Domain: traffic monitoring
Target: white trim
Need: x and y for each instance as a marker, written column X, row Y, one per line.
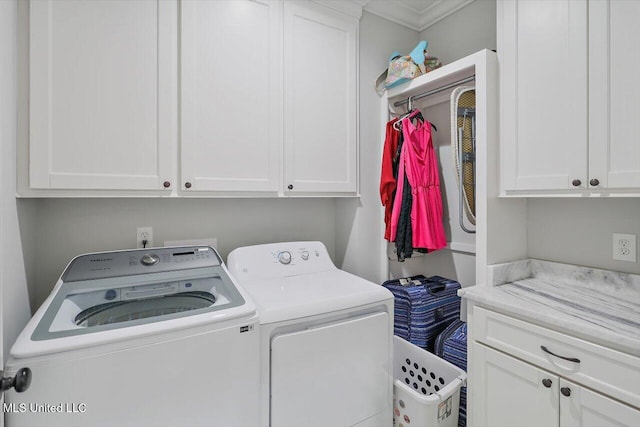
column 352, row 8
column 409, row 17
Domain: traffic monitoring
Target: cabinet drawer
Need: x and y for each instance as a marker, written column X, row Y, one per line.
column 609, row 371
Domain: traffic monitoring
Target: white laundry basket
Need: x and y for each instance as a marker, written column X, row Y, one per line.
column 426, row 388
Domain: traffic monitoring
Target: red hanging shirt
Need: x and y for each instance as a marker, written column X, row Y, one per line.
column 387, row 180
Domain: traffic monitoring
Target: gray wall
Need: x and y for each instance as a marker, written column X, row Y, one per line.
column 14, row 302
column 359, row 222
column 578, row 231
column 68, row 227
column 468, row 30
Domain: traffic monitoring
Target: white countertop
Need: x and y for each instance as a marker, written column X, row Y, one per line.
column 597, row 305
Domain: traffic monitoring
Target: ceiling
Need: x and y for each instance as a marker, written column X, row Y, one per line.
column 415, row 14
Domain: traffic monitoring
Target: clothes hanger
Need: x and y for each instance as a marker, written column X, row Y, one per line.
column 411, row 114
column 398, row 124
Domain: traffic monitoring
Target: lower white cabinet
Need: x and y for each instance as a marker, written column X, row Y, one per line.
column 522, row 374
column 512, row 393
column 581, row 407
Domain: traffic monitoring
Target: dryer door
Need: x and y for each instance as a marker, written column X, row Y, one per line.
column 337, row 374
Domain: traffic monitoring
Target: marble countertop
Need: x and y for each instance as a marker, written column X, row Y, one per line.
column 597, row 305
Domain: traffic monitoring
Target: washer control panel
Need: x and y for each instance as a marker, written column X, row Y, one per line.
column 151, row 260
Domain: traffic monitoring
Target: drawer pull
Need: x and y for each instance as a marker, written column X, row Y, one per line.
column 566, row 391
column 570, row 359
column 547, row 382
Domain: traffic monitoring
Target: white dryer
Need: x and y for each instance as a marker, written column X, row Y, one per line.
column 326, row 338
column 154, row 337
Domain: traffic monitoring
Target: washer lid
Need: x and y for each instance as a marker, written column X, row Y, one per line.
column 288, row 298
column 92, row 306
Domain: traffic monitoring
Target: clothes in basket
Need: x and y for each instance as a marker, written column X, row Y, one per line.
column 451, row 345
column 424, row 307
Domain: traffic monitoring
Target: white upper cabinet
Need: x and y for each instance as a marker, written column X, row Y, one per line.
column 566, row 71
column 100, row 94
column 614, row 128
column 231, row 97
column 543, row 110
column 190, row 98
column 320, row 104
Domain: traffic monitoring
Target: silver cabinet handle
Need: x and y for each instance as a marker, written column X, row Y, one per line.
column 570, row 359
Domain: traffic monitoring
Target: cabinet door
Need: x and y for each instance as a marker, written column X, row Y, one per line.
column 101, row 94
column 507, row 392
column 543, row 66
column 614, row 61
column 585, row 408
column 231, row 95
column 320, row 107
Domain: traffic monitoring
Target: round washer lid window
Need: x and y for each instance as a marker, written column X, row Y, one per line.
column 124, row 311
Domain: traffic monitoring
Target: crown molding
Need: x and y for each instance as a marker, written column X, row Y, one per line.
column 352, row 7
column 401, row 12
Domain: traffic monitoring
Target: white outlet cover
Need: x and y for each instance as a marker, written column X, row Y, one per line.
column 624, row 247
column 141, row 232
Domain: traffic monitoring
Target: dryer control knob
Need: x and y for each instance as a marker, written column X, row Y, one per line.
column 304, row 255
column 149, row 259
column 284, row 257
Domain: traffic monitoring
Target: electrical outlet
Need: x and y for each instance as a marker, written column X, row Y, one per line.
column 624, row 247
column 144, row 233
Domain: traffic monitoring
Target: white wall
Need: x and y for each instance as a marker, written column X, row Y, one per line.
column 359, row 222
column 468, row 30
column 69, row 227
column 14, row 310
column 578, row 231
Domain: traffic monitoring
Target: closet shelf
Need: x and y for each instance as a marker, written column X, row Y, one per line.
column 436, row 80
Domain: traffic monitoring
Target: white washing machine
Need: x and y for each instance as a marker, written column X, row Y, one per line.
column 154, row 337
column 326, row 338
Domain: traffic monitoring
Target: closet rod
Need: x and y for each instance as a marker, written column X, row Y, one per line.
column 434, row 91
